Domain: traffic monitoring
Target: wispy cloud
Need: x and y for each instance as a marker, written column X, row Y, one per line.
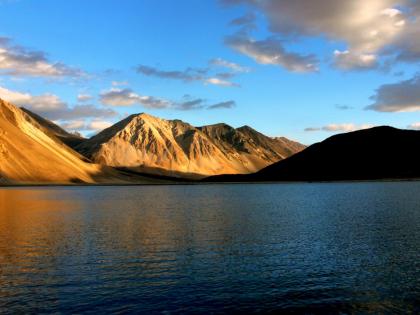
column 20, row 61
column 311, row 129
column 84, row 97
column 219, row 62
column 271, row 52
column 52, row 107
column 190, row 104
column 227, row 104
column 187, row 75
column 84, row 125
column 343, row 107
column 127, row 97
column 414, row 126
column 221, row 82
column 403, row 96
column 119, row 83
column 339, row 127
column 194, row 74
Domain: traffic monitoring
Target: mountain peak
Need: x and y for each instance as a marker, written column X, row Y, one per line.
column 218, row 125
column 245, row 127
column 145, row 142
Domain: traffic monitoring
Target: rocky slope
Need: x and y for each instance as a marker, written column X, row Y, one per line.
column 173, row 147
column 376, row 153
column 30, row 153
column 72, row 140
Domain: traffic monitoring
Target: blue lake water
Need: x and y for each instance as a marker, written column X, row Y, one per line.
column 291, row 248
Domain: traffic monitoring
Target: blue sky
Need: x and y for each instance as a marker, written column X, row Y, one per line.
column 269, row 70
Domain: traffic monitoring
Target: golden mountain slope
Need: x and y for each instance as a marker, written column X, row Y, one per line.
column 30, row 153
column 151, row 144
column 68, row 138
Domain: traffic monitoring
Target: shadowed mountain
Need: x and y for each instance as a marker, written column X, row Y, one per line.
column 172, row 147
column 30, row 153
column 376, row 153
column 72, row 140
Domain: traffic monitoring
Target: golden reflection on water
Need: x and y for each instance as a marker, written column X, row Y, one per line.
column 55, row 222
column 31, row 228
column 25, row 214
column 56, row 243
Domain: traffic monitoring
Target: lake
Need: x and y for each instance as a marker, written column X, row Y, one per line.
column 293, row 248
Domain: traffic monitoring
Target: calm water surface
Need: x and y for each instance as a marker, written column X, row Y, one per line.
column 294, row 248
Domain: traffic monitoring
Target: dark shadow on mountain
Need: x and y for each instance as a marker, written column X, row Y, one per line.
column 151, row 174
column 371, row 154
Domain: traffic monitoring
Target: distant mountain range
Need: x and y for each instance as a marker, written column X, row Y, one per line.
column 147, row 149
column 172, row 147
column 376, row 153
column 35, row 150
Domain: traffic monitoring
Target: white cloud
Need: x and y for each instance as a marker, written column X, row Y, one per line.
column 71, row 125
column 98, row 125
column 19, row 61
column 414, row 126
column 45, row 102
column 370, row 29
column 127, row 97
column 228, row 64
column 84, row 97
column 217, row 81
column 119, row 83
column 346, row 60
column 188, row 75
column 272, row 52
column 391, row 12
column 52, row 107
column 84, row 125
column 346, row 127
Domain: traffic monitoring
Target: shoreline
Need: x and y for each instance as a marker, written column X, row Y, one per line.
column 193, row 183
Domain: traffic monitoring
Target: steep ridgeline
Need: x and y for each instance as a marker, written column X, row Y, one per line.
column 68, row 138
column 29, row 154
column 173, row 147
column 376, row 153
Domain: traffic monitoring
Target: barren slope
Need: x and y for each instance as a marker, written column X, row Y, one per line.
column 151, row 144
column 29, row 154
column 50, row 128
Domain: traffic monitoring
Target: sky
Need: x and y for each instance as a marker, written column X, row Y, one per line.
column 301, row 69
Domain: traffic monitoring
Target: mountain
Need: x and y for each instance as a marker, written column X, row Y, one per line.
column 30, row 153
column 376, row 153
column 72, row 140
column 172, row 147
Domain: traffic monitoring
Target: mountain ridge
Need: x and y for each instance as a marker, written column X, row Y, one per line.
column 32, row 153
column 29, row 154
column 174, row 147
column 371, row 154
column 68, row 138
